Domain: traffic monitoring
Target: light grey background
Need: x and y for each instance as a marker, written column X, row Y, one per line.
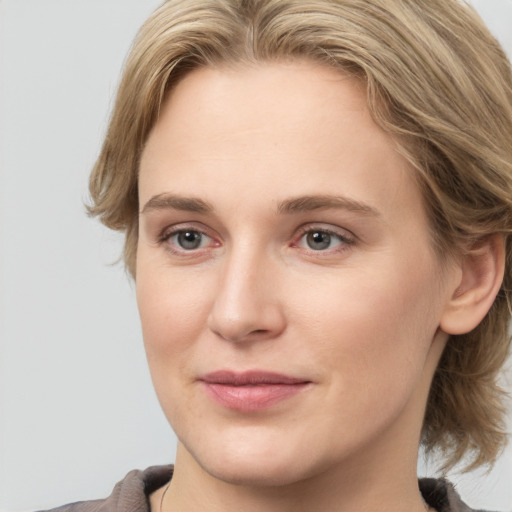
column 77, row 410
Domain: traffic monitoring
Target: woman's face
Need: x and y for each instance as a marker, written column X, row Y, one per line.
column 289, row 295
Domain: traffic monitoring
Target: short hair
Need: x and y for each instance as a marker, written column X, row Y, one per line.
column 436, row 79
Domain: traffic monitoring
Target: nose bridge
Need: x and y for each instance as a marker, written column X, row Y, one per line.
column 246, row 305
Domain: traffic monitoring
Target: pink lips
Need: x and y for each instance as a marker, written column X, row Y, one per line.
column 251, row 391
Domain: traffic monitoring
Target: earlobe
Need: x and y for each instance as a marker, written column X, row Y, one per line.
column 481, row 275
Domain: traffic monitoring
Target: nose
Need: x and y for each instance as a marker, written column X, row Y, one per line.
column 246, row 305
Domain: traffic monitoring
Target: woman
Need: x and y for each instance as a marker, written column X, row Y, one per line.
column 317, row 201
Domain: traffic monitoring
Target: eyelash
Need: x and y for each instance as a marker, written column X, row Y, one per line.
column 344, row 240
column 168, row 234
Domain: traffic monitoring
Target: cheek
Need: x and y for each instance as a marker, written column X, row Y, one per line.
column 173, row 308
column 173, row 316
column 373, row 330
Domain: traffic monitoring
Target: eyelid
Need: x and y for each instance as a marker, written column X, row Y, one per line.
column 169, row 231
column 346, row 237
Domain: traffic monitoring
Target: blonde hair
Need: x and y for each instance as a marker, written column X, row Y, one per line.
column 435, row 78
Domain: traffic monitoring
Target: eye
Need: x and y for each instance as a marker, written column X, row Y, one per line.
column 187, row 239
column 323, row 240
column 318, row 240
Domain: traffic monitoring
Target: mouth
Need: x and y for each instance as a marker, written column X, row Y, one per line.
column 251, row 391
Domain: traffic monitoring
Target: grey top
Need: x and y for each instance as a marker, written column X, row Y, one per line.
column 132, row 494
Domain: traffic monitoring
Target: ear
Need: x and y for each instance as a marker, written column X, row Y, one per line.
column 480, row 276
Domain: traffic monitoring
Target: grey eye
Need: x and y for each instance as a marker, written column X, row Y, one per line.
column 189, row 240
column 318, row 240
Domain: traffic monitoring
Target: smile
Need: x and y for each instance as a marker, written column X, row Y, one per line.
column 251, row 391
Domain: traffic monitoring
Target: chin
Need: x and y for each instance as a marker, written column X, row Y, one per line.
column 264, row 461
column 251, row 473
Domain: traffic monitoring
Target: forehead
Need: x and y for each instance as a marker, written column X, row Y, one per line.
column 248, row 97
column 296, row 127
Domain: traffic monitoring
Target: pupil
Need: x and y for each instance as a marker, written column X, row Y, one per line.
column 318, row 240
column 189, row 239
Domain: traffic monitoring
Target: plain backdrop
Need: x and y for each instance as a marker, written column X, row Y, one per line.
column 77, row 409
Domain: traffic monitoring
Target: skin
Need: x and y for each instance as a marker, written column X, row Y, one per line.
column 359, row 319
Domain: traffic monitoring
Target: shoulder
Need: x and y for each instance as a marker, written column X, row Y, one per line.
column 440, row 495
column 130, row 494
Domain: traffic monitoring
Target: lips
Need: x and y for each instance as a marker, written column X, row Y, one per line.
column 251, row 391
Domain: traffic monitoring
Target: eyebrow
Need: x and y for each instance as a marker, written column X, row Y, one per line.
column 299, row 204
column 321, row 202
column 174, row 202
